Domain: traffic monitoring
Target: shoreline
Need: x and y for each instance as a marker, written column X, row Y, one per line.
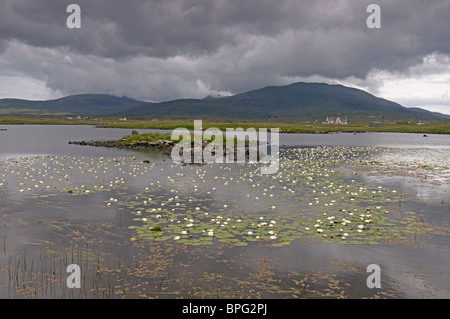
column 163, row 145
column 284, row 127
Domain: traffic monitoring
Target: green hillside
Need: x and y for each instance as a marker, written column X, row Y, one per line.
column 82, row 104
column 298, row 101
column 295, row 102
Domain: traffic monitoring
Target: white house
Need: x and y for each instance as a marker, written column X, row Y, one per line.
column 335, row 120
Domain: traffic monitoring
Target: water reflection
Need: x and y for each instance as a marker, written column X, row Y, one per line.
column 71, row 222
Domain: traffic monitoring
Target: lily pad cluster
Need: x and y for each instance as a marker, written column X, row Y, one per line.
column 308, row 198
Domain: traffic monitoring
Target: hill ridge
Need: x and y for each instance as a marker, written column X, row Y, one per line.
column 295, row 101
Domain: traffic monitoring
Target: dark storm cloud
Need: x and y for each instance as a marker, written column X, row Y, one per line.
column 192, row 46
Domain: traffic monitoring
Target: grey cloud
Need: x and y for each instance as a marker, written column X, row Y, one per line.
column 165, row 49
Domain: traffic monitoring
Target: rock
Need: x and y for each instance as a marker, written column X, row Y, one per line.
column 134, row 132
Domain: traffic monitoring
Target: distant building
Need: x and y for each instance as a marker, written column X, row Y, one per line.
column 122, row 119
column 335, row 120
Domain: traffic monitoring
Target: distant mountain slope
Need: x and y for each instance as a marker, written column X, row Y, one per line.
column 298, row 101
column 437, row 114
column 292, row 102
column 82, row 104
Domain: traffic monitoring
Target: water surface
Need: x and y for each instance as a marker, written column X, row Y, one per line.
column 97, row 207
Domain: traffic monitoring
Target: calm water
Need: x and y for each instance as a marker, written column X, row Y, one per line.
column 65, row 204
column 21, row 140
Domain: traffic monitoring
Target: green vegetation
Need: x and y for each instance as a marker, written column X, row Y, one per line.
column 148, row 137
column 153, row 137
column 284, row 126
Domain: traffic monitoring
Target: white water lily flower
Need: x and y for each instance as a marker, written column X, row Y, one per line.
column 319, row 230
column 176, row 238
column 273, row 237
column 184, row 232
column 306, row 228
column 360, row 226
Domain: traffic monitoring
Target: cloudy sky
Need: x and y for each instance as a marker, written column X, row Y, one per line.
column 166, row 49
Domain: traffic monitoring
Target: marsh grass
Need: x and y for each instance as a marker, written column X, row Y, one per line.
column 153, row 137
column 285, row 126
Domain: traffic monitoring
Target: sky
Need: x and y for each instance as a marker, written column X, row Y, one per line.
column 160, row 50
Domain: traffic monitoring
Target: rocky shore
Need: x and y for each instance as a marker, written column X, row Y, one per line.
column 164, row 146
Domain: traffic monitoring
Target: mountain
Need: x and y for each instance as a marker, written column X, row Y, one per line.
column 297, row 101
column 437, row 114
column 82, row 104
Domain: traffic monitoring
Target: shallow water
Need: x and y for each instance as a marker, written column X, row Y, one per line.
column 64, row 204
